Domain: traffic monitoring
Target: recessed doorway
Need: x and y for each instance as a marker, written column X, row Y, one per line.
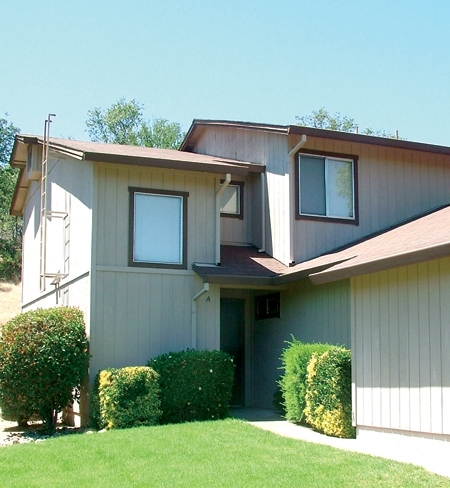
column 232, row 341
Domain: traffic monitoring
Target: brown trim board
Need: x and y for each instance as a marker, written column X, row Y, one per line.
column 298, row 215
column 131, row 262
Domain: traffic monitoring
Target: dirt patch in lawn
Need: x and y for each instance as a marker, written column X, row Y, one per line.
column 10, row 298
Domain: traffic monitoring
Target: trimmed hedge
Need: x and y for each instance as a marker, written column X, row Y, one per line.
column 328, row 396
column 43, row 361
column 126, row 397
column 295, row 359
column 195, row 385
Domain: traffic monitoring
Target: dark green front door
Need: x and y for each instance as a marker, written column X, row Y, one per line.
column 232, row 341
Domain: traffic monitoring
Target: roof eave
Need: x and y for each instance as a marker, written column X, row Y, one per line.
column 219, row 167
column 290, row 277
column 382, row 264
column 352, row 137
column 229, row 279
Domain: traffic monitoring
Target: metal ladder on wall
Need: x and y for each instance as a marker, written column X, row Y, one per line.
column 48, row 214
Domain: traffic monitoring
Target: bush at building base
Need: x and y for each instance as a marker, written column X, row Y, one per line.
column 195, row 385
column 328, row 395
column 43, row 361
column 126, row 397
column 295, row 359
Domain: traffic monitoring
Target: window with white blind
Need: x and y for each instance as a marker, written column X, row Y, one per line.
column 158, row 221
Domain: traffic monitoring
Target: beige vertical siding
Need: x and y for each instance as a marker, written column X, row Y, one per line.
column 401, row 339
column 113, row 210
column 70, row 186
column 310, row 314
column 394, row 185
column 256, row 210
column 143, row 313
column 270, row 150
column 30, row 244
column 139, row 313
column 72, row 294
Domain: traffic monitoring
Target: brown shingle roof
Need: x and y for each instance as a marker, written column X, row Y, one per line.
column 242, row 265
column 424, row 238
column 121, row 154
column 144, row 156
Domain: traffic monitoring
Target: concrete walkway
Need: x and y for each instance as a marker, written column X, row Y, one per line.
column 435, row 457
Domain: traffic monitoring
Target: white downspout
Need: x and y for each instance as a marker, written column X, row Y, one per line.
column 194, row 315
column 218, row 195
column 300, row 144
column 263, row 213
column 292, row 152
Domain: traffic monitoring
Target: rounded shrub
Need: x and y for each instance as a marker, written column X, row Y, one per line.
column 295, row 359
column 44, row 359
column 126, row 397
column 195, row 385
column 329, row 396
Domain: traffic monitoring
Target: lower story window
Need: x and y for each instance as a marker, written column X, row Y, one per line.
column 158, row 228
column 326, row 187
column 267, row 306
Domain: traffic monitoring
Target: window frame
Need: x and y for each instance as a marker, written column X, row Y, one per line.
column 183, row 241
column 324, row 218
column 240, row 215
column 268, row 306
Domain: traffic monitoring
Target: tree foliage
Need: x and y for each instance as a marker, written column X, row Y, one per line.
column 322, row 119
column 7, row 133
column 124, row 123
column 10, row 227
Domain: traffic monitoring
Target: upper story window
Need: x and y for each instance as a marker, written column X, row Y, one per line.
column 232, row 200
column 158, row 227
column 327, row 187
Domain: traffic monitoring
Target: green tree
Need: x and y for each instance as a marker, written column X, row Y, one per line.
column 322, row 119
column 10, row 227
column 124, row 123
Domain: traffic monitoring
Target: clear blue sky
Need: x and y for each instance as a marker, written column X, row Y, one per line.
column 385, row 63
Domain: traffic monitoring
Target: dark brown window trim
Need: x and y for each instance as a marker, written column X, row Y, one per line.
column 131, row 262
column 298, row 215
column 240, row 215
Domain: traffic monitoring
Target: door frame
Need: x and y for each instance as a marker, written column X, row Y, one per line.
column 247, row 296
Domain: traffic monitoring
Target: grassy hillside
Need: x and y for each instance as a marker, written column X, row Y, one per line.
column 10, row 295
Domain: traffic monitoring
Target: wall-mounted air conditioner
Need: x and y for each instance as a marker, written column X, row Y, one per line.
column 34, row 162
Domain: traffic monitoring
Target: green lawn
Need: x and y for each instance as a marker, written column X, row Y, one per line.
column 223, row 453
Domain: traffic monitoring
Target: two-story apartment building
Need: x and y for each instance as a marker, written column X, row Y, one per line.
column 247, row 236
